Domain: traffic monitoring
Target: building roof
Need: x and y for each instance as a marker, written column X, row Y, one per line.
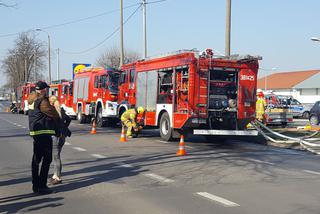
column 286, row 80
column 313, row 82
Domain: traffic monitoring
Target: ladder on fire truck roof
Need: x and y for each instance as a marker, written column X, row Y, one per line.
column 198, row 54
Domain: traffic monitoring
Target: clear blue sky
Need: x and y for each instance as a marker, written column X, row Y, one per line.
column 279, row 31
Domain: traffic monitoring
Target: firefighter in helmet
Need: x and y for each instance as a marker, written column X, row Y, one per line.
column 260, row 106
column 129, row 119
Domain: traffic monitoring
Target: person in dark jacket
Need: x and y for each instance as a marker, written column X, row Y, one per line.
column 59, row 139
column 43, row 120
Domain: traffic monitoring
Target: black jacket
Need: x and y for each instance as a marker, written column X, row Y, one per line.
column 64, row 124
column 40, row 123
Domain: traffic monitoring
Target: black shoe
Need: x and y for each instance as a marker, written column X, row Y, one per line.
column 44, row 191
column 35, row 189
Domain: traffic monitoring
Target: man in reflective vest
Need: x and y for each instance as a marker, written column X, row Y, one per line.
column 128, row 119
column 42, row 124
column 260, row 106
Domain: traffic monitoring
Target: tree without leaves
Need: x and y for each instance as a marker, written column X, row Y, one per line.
column 111, row 57
column 4, row 4
column 24, row 61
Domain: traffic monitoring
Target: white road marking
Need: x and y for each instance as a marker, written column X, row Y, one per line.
column 124, row 165
column 79, row 149
column 312, row 172
column 15, row 124
column 23, row 127
column 19, row 125
column 190, row 147
column 159, row 178
column 98, row 156
column 260, row 161
column 67, row 143
column 218, row 199
column 165, row 142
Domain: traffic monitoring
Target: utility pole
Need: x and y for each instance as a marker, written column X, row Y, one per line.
column 121, row 33
column 58, row 64
column 35, row 65
column 144, row 4
column 228, row 28
column 49, row 52
column 49, row 55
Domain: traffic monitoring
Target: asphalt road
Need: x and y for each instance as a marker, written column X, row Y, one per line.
column 102, row 175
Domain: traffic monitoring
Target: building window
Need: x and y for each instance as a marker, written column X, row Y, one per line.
column 308, row 91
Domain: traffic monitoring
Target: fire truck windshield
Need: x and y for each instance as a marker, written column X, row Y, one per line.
column 113, row 81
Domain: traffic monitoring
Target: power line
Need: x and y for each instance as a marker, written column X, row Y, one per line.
column 72, row 22
column 89, row 17
column 105, row 39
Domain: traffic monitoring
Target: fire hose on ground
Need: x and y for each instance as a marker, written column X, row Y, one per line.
column 303, row 141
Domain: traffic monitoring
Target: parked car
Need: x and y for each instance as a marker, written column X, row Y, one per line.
column 298, row 109
column 315, row 114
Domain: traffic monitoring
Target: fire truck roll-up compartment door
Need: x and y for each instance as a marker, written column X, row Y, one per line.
column 141, row 89
column 147, row 90
column 86, row 89
column 75, row 91
column 81, row 87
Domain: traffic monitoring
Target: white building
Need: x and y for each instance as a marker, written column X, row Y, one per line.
column 302, row 85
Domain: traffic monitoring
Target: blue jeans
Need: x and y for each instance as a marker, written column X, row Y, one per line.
column 57, row 144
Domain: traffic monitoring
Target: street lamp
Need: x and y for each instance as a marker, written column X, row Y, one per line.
column 266, row 77
column 49, row 54
column 315, row 39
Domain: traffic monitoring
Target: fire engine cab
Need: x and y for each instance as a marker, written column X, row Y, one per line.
column 95, row 94
column 62, row 89
column 23, row 93
column 192, row 92
column 66, row 98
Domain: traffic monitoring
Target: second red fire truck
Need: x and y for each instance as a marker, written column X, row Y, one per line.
column 192, row 92
column 95, row 93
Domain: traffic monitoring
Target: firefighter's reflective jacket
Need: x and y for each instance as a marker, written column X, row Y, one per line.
column 260, row 108
column 41, row 123
column 129, row 115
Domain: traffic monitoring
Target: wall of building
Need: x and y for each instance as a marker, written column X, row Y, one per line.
column 302, row 95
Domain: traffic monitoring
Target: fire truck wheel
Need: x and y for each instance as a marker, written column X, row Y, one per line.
column 165, row 127
column 80, row 117
column 100, row 122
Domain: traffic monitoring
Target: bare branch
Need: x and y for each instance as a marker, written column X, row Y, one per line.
column 24, row 62
column 111, row 57
column 3, row 4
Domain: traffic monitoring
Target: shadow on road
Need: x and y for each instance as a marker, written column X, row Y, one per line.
column 38, row 203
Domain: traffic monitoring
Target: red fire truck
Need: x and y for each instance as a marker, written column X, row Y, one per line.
column 62, row 89
column 95, row 94
column 66, row 98
column 56, row 88
column 188, row 91
column 23, row 93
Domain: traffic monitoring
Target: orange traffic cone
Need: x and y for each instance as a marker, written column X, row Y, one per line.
column 123, row 136
column 181, row 150
column 93, row 130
